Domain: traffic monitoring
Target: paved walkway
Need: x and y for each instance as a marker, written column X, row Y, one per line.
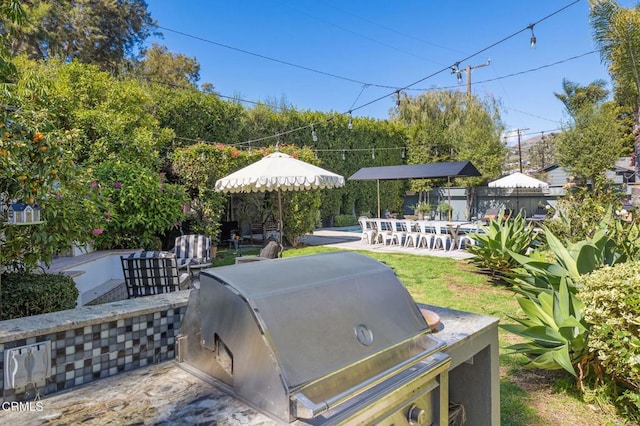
column 352, row 241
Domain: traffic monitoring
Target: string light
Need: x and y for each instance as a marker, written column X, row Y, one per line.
column 202, row 39
column 404, row 152
column 454, row 69
column 533, row 36
column 314, row 136
column 373, row 154
column 343, row 155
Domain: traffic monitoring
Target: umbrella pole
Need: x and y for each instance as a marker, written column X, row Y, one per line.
column 281, row 233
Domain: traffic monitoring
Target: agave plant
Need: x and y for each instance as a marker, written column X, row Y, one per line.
column 498, row 241
column 536, row 274
column 554, row 322
column 556, row 330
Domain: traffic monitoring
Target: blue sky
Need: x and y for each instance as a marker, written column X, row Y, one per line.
column 384, row 43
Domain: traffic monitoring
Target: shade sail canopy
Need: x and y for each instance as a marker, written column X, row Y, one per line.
column 417, row 171
column 279, row 172
column 518, row 180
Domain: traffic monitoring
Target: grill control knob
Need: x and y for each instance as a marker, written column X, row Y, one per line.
column 416, row 415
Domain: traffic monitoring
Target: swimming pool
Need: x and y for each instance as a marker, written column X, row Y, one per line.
column 354, row 228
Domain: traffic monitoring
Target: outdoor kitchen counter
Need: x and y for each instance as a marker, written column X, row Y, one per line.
column 166, row 394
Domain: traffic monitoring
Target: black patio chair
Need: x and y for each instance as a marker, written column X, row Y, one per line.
column 152, row 272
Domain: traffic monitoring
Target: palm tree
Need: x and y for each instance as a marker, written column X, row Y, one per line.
column 616, row 31
column 577, row 97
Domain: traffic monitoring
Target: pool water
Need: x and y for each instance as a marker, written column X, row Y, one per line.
column 355, row 228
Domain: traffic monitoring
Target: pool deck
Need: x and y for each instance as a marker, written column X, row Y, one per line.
column 332, row 237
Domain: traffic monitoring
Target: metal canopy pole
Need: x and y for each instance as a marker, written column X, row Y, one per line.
column 378, row 187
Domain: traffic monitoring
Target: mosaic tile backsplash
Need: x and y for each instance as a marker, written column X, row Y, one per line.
column 100, row 348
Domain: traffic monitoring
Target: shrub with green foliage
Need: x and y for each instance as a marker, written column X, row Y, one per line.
column 580, row 211
column 26, row 294
column 555, row 322
column 345, row 220
column 612, row 307
column 139, row 205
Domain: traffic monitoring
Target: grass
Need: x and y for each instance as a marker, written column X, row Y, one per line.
column 528, row 397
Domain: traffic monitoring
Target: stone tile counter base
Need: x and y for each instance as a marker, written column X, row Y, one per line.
column 94, row 342
column 166, row 394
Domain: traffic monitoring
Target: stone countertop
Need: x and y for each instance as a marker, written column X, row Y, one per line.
column 25, row 327
column 167, row 394
column 162, row 394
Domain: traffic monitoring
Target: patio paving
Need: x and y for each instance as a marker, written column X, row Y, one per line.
column 352, row 241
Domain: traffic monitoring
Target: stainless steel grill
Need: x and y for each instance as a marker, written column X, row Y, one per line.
column 333, row 338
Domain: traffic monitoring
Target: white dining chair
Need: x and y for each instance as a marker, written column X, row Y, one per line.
column 399, row 232
column 413, row 233
column 444, row 238
column 368, row 230
column 427, row 235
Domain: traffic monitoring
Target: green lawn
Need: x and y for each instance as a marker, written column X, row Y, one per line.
column 527, row 397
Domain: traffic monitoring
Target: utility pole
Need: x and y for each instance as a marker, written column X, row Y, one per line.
column 458, row 72
column 519, row 148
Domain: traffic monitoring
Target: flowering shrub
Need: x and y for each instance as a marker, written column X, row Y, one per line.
column 138, row 206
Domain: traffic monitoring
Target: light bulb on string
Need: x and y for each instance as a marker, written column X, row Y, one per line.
column 398, row 98
column 314, row 136
column 404, row 154
column 533, row 37
column 373, row 154
column 343, row 155
column 350, row 123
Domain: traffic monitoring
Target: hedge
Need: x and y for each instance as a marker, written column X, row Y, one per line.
column 26, row 294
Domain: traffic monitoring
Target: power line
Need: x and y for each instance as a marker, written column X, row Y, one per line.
column 396, row 89
column 350, row 31
column 258, row 55
column 457, row 64
column 393, row 30
column 515, row 74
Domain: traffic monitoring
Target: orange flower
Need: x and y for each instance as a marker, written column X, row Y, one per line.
column 38, row 137
column 43, row 148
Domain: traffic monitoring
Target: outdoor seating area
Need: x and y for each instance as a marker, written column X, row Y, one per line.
column 428, row 234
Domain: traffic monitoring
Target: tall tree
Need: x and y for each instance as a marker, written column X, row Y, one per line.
column 577, row 97
column 100, row 32
column 11, row 11
column 453, row 126
column 158, row 65
column 616, row 31
column 593, row 144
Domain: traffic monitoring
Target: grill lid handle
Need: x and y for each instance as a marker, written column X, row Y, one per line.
column 307, row 409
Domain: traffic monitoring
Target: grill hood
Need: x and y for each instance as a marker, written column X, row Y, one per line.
column 296, row 336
